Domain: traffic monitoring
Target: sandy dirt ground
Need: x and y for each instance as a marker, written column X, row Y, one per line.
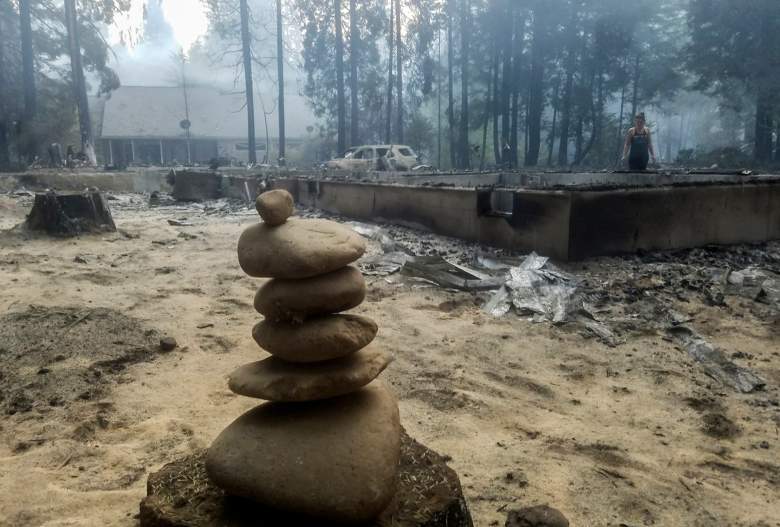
column 529, row 413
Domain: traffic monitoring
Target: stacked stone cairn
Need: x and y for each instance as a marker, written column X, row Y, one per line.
column 327, row 445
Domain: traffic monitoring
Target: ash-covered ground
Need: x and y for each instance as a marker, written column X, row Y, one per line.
column 651, row 398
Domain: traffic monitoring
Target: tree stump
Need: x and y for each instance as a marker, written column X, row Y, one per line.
column 196, row 186
column 181, row 495
column 70, row 214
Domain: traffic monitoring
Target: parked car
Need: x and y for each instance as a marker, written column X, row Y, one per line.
column 376, row 157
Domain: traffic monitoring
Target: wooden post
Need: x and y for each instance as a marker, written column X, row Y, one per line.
column 162, row 156
column 110, row 152
column 132, row 151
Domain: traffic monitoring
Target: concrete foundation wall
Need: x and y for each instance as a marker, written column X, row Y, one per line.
column 613, row 222
column 563, row 224
column 541, row 220
column 141, row 181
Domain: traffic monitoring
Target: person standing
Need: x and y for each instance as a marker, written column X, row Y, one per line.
column 639, row 145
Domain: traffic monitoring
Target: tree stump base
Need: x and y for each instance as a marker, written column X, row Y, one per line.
column 70, row 214
column 181, row 495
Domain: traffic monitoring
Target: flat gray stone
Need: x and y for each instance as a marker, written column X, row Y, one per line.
column 296, row 300
column 316, row 339
column 274, row 379
column 299, row 248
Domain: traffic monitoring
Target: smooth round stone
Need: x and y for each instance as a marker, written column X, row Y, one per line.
column 275, row 206
column 296, row 300
column 181, row 494
column 274, row 379
column 316, row 339
column 299, row 248
column 333, row 460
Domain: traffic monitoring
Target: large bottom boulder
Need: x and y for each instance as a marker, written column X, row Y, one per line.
column 181, row 495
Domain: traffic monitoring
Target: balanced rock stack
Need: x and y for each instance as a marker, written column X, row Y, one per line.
column 327, row 445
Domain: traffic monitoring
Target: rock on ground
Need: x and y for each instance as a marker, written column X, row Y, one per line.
column 539, row 516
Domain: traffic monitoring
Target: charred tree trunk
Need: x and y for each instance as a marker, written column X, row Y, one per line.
column 556, row 98
column 620, row 136
column 486, row 122
column 507, row 78
column 280, row 82
column 451, row 84
column 514, row 135
column 70, row 214
column 341, row 102
column 597, row 113
column 517, row 79
column 28, row 82
column 5, row 157
column 536, row 97
column 400, row 70
column 79, row 84
column 764, row 129
column 246, row 49
column 354, row 57
column 465, row 44
column 498, row 145
column 637, row 76
column 390, row 55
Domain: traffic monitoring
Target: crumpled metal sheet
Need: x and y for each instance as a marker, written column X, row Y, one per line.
column 714, row 361
column 538, row 288
column 757, row 284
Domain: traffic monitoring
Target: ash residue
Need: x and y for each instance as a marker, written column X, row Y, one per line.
column 53, row 356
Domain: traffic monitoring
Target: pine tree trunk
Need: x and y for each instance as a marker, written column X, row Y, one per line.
column 637, row 76
column 28, row 82
column 354, row 57
column 514, row 135
column 536, row 98
column 390, row 56
column 400, row 69
column 341, row 102
column 246, row 49
column 490, row 103
column 5, row 157
column 517, row 67
column 498, row 146
column 506, row 85
column 79, row 84
column 280, row 81
column 465, row 33
column 764, row 127
column 620, row 136
column 451, row 84
column 554, row 123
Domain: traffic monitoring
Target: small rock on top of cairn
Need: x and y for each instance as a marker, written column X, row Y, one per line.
column 275, row 207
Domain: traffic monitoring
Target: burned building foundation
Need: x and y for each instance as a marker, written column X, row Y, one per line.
column 565, row 216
